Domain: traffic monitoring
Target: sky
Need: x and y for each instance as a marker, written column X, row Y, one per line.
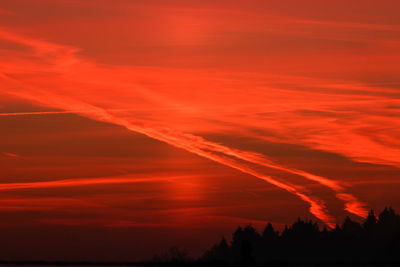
column 128, row 127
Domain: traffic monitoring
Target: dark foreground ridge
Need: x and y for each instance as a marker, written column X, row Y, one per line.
column 202, row 264
column 373, row 242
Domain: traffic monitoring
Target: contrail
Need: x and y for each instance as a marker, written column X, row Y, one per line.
column 36, row 113
column 79, row 182
column 8, row 154
column 352, row 205
column 185, row 141
column 188, row 142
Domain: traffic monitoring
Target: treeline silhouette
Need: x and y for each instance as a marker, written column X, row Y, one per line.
column 376, row 239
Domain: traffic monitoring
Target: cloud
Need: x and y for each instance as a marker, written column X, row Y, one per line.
column 8, row 154
column 187, row 142
column 338, row 111
column 191, row 143
column 35, row 113
column 81, row 182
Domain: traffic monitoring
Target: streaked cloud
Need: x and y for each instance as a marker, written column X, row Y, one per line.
column 261, row 71
column 8, row 154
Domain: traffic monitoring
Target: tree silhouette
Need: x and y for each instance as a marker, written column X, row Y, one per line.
column 219, row 252
column 377, row 238
column 370, row 222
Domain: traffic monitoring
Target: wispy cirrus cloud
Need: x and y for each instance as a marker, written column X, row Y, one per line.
column 74, row 70
column 81, row 182
column 8, row 154
column 34, row 113
column 298, row 107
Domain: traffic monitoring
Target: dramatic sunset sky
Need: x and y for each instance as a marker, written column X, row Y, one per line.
column 130, row 126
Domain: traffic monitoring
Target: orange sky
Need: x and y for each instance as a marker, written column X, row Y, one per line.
column 176, row 121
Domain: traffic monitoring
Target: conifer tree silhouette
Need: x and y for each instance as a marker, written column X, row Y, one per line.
column 377, row 238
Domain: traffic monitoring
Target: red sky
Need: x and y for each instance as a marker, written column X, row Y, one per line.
column 131, row 126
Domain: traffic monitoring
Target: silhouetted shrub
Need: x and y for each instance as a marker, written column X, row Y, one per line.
column 174, row 254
